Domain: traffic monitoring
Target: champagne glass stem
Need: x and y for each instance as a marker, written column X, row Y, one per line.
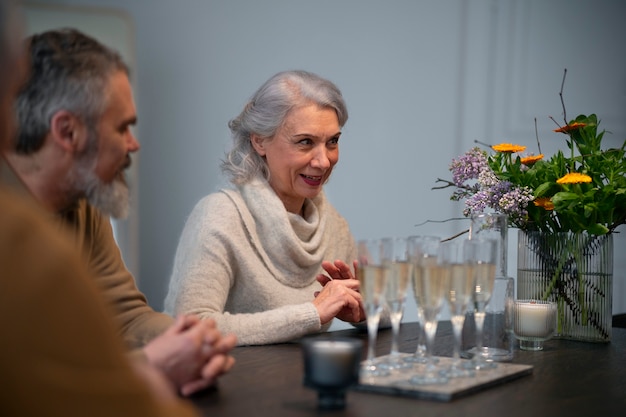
column 430, row 329
column 479, row 359
column 395, row 361
column 420, row 351
column 396, row 317
column 457, row 328
column 370, row 368
column 421, row 337
column 431, row 374
column 479, row 317
column 457, row 369
column 372, row 332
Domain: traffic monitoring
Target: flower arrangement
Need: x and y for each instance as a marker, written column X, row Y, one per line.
column 566, row 207
column 584, row 190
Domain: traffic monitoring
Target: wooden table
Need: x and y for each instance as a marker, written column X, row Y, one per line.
column 569, row 379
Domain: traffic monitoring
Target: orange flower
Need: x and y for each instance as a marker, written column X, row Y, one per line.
column 573, row 178
column 544, row 202
column 530, row 160
column 570, row 127
column 508, row 147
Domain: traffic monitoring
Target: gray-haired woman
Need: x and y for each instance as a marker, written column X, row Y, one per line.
column 252, row 257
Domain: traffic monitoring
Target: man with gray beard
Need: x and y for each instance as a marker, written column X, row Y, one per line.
column 73, row 146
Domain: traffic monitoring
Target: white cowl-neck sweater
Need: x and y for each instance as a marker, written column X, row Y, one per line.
column 246, row 262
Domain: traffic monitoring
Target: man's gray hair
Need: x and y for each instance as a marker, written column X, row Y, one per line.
column 69, row 71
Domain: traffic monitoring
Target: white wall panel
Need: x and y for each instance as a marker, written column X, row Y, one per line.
column 423, row 80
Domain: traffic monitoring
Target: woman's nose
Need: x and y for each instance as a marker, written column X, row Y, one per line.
column 321, row 159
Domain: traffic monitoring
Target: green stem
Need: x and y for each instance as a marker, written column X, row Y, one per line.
column 557, row 274
column 581, row 288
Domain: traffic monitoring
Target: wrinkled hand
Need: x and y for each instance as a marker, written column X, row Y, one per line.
column 340, row 295
column 338, row 270
column 192, row 353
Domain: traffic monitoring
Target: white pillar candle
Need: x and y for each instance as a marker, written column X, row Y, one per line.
column 534, row 318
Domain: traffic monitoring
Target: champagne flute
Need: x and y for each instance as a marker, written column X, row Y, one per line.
column 483, row 262
column 498, row 325
column 457, row 257
column 416, row 248
column 395, row 254
column 429, row 287
column 371, row 275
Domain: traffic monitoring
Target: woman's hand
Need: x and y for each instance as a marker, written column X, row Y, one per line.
column 338, row 270
column 340, row 295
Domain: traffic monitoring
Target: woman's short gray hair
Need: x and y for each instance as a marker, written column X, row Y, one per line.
column 265, row 113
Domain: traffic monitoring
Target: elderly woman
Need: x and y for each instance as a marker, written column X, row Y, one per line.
column 251, row 257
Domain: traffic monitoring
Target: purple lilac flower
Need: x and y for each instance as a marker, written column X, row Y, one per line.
column 487, row 178
column 476, row 203
column 514, row 202
column 497, row 191
column 468, row 166
column 482, row 189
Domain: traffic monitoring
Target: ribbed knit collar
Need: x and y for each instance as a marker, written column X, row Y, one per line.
column 292, row 247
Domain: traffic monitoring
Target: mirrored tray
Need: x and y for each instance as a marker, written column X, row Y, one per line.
column 397, row 383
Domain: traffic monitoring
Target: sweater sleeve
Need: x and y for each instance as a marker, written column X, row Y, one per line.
column 137, row 321
column 214, row 259
column 60, row 351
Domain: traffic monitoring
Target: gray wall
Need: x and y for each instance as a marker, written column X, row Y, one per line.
column 423, row 80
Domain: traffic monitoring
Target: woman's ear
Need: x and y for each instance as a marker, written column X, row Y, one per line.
column 258, row 143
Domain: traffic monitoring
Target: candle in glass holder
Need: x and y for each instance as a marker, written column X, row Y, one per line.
column 330, row 367
column 534, row 322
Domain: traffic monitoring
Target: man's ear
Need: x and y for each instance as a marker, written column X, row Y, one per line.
column 258, row 143
column 68, row 131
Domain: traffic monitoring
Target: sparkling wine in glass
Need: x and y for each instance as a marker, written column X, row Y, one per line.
column 457, row 256
column 418, row 247
column 371, row 273
column 483, row 262
column 429, row 286
column 395, row 254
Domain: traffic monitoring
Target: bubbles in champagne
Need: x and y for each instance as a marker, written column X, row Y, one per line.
column 398, row 280
column 461, row 287
column 484, row 275
column 430, row 283
column 372, row 280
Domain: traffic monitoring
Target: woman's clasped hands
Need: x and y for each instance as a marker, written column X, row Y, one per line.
column 340, row 295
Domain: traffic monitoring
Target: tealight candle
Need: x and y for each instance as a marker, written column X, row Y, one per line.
column 534, row 323
column 330, row 367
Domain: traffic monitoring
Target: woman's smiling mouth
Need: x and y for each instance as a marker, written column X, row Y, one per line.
column 312, row 180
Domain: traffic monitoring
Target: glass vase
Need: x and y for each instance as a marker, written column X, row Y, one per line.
column 575, row 270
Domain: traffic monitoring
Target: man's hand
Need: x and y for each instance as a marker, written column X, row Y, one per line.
column 192, row 353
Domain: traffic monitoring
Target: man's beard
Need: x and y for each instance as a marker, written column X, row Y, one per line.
column 111, row 199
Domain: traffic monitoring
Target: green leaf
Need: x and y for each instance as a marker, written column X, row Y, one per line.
column 564, row 197
column 597, row 229
column 541, row 190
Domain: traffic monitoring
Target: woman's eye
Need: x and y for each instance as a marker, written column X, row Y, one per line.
column 305, row 141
